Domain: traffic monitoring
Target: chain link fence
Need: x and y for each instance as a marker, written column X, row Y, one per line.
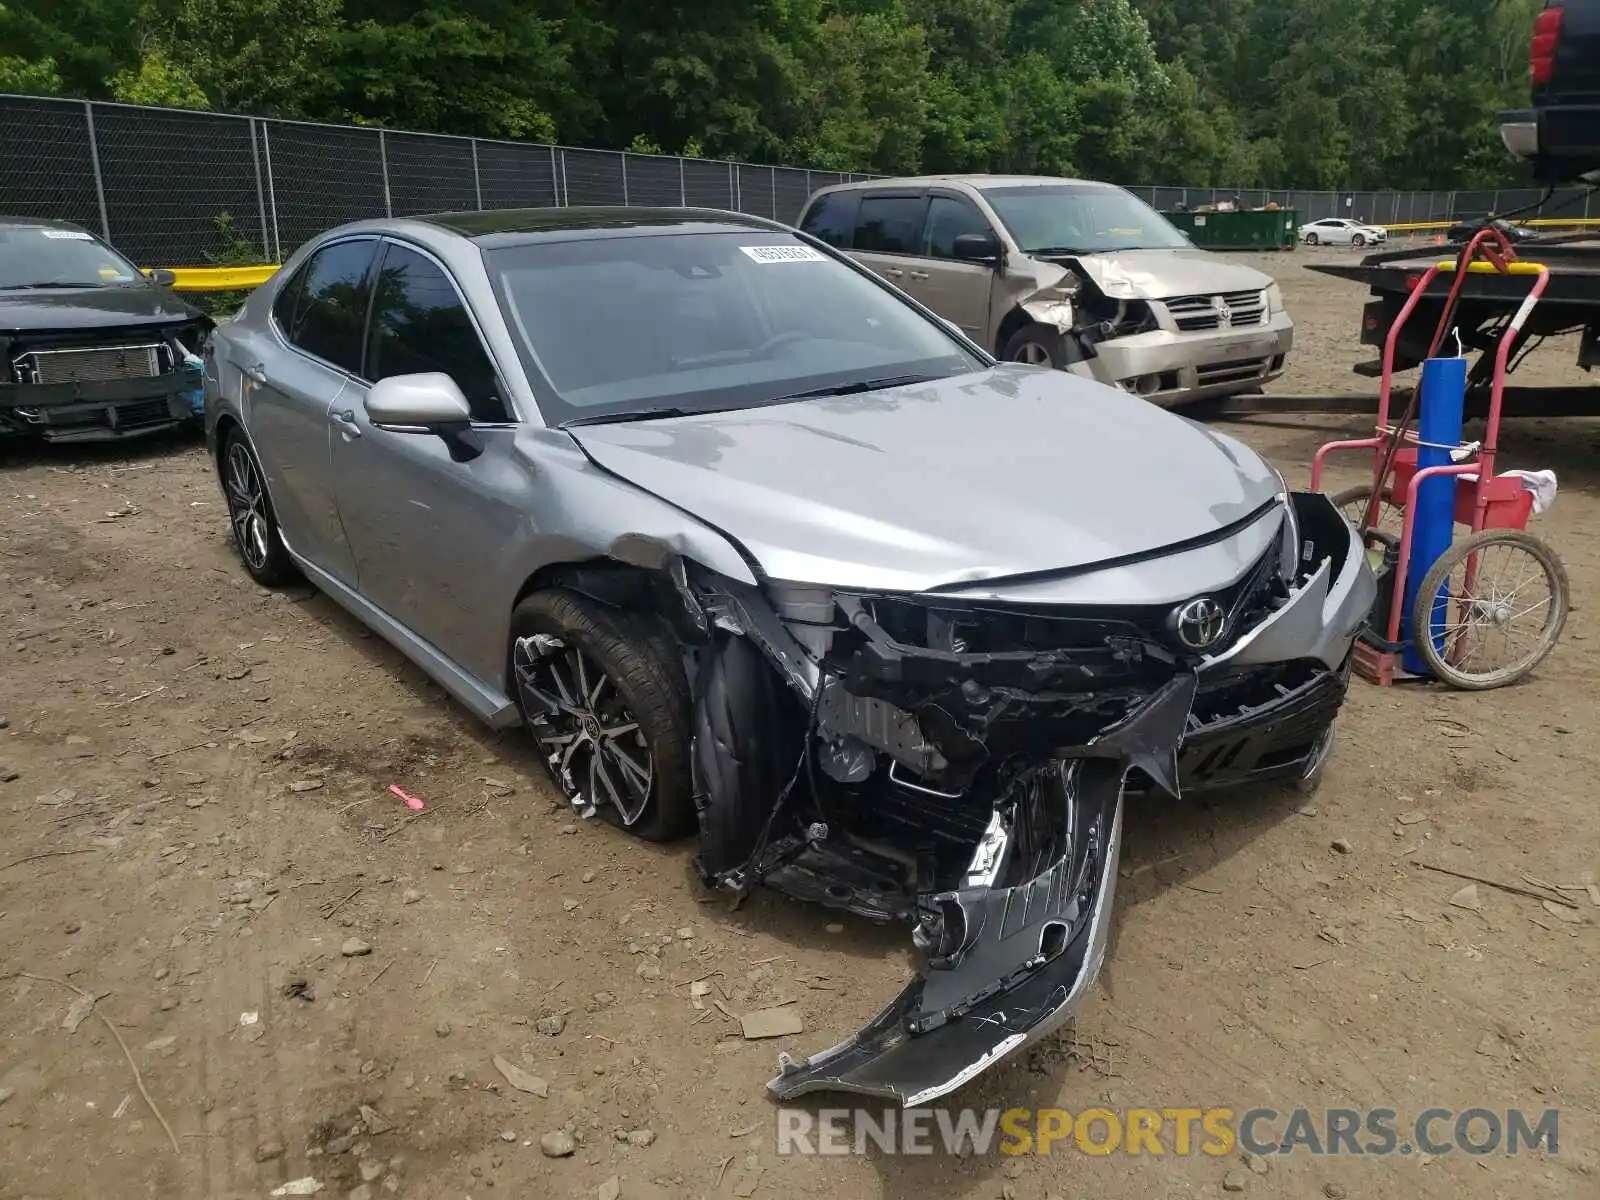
column 177, row 188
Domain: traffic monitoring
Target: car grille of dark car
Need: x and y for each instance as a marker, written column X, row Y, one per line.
column 97, row 364
column 1193, row 314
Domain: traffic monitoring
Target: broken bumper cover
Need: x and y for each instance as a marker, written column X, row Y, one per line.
column 1016, row 962
column 101, row 411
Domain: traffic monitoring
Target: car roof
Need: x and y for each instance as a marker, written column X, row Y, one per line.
column 978, row 182
column 37, row 223
column 517, row 226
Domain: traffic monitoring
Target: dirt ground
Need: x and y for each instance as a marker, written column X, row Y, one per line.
column 278, row 943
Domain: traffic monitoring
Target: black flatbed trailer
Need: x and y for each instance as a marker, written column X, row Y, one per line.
column 1571, row 304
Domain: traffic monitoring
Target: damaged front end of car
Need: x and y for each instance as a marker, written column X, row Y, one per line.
column 961, row 765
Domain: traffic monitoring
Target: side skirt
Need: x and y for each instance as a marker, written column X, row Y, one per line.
column 487, row 704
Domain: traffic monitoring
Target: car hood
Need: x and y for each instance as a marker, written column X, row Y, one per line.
column 91, row 308
column 1158, row 274
column 1008, row 471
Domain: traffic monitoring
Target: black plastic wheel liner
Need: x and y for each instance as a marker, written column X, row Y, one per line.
column 747, row 738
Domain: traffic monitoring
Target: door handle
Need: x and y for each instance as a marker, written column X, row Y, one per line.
column 346, row 421
column 256, row 373
column 919, row 274
column 893, row 272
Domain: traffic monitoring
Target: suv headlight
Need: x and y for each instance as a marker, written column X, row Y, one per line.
column 1274, row 299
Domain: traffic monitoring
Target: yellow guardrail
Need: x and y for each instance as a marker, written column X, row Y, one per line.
column 1547, row 222
column 218, row 279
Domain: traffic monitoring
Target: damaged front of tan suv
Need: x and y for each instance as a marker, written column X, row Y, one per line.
column 958, row 760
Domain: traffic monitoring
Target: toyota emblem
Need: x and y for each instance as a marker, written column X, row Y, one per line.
column 1224, row 313
column 1199, row 623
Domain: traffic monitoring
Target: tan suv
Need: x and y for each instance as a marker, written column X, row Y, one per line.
column 1066, row 273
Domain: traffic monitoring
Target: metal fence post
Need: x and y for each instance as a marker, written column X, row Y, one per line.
column 261, row 195
column 734, row 195
column 624, row 180
column 477, row 185
column 566, row 194
column 383, row 164
column 272, row 192
column 99, row 183
column 683, row 187
column 1494, row 208
column 555, row 181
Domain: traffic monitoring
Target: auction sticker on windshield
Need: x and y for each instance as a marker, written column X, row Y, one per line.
column 784, row 254
column 67, row 235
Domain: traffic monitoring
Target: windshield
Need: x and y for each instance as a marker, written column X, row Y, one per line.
column 37, row 256
column 696, row 322
column 1081, row 218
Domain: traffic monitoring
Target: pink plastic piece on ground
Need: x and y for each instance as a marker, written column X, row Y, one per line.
column 414, row 803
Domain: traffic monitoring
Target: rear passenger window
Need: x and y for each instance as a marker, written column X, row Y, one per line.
column 330, row 304
column 889, row 224
column 829, row 218
column 419, row 324
column 948, row 219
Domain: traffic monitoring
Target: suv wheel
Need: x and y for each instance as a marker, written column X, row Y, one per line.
column 1040, row 346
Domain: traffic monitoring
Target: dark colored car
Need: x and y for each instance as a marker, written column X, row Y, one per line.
column 1560, row 134
column 91, row 348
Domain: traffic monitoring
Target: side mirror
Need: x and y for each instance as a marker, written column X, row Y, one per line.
column 977, row 247
column 162, row 277
column 417, row 403
column 428, row 402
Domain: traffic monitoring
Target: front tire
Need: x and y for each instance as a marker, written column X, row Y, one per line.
column 251, row 518
column 1312, row 239
column 1359, row 240
column 603, row 693
column 1040, row 346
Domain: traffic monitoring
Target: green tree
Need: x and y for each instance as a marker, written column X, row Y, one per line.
column 36, row 77
column 157, row 81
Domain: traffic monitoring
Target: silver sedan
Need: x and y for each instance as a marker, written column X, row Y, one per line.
column 760, row 550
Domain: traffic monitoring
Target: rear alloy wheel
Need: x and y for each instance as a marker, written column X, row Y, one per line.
column 603, row 694
column 250, row 516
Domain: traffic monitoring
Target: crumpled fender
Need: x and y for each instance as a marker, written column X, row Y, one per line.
column 1056, row 313
column 1033, row 286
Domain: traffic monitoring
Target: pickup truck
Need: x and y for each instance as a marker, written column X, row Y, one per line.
column 1560, row 134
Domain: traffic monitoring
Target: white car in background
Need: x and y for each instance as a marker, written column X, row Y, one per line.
column 1337, row 231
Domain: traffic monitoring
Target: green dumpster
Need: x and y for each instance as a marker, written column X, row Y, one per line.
column 1239, row 230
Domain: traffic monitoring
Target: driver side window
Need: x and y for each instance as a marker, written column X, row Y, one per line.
column 948, row 219
column 419, row 324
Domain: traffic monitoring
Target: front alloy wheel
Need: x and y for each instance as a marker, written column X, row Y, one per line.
column 603, row 693
column 591, row 739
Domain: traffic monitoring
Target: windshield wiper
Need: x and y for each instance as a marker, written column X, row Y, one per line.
column 1046, row 251
column 622, row 418
column 54, row 283
column 857, row 386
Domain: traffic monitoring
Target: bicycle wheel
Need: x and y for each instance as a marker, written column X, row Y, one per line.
column 1501, row 590
column 1352, row 502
